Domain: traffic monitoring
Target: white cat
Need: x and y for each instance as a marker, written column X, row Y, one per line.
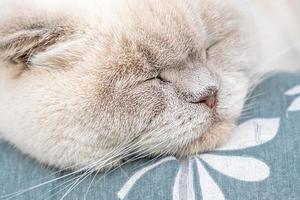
column 86, row 85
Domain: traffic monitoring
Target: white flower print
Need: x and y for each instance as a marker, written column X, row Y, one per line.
column 295, row 106
column 252, row 133
column 130, row 183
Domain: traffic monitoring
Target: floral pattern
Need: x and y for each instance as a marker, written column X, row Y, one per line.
column 295, row 106
column 252, row 133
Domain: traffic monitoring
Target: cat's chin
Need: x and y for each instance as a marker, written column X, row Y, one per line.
column 216, row 136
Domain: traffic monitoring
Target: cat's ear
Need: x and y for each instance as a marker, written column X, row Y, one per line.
column 40, row 40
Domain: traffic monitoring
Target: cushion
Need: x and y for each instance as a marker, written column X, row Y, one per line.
column 260, row 161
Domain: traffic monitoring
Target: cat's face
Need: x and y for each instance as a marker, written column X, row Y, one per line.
column 162, row 77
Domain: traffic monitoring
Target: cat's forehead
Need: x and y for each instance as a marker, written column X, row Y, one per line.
column 163, row 32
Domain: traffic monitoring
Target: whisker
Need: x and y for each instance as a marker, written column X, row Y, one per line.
column 58, row 186
column 81, row 179
column 251, row 97
column 90, row 185
column 60, row 190
column 12, row 195
column 15, row 194
column 75, row 184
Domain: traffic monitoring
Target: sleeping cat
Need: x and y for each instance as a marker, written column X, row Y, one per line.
column 87, row 85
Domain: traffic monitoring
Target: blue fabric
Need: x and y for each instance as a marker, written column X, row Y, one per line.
column 261, row 161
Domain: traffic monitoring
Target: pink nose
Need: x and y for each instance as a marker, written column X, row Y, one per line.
column 208, row 98
column 210, row 101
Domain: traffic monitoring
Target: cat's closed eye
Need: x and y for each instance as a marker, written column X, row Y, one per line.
column 158, row 77
column 134, row 80
column 209, row 47
column 162, row 79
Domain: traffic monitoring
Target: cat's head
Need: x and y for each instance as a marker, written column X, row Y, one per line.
column 161, row 77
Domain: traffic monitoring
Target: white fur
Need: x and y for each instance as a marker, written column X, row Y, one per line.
column 92, row 98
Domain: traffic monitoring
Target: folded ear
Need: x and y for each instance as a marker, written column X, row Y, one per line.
column 24, row 38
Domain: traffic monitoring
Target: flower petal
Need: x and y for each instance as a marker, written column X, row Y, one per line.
column 209, row 189
column 131, row 182
column 295, row 106
column 190, row 182
column 176, row 188
column 241, row 168
column 184, row 182
column 252, row 133
column 294, row 91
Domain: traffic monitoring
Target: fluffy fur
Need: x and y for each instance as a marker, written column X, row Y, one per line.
column 90, row 87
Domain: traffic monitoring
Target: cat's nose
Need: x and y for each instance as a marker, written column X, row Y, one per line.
column 196, row 85
column 210, row 101
column 209, row 98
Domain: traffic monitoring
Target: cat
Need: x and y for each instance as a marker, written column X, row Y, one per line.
column 88, row 85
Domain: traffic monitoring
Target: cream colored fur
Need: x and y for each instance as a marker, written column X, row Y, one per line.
column 101, row 81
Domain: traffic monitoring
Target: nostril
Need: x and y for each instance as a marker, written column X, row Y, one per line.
column 207, row 97
column 210, row 101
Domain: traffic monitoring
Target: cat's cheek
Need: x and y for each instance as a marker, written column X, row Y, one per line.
column 232, row 97
column 230, row 108
column 216, row 136
column 143, row 105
